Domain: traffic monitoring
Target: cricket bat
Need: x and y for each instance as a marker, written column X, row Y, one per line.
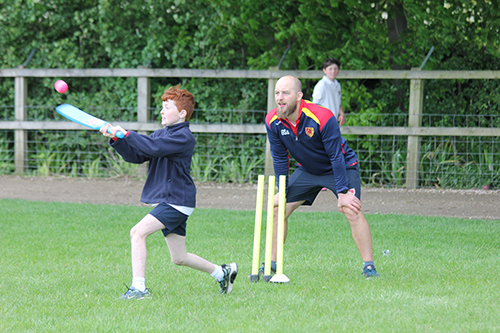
column 83, row 118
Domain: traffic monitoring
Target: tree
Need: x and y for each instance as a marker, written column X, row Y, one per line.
column 255, row 34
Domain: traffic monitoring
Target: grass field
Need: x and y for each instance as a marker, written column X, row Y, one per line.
column 63, row 266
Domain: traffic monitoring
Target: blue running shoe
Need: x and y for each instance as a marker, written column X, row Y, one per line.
column 370, row 272
column 263, row 267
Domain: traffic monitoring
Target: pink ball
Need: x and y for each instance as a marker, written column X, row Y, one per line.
column 486, row 187
column 61, row 86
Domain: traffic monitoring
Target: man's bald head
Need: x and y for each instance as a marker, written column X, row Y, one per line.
column 288, row 96
column 291, row 82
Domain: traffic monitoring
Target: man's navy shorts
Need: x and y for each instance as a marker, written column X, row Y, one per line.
column 173, row 220
column 303, row 185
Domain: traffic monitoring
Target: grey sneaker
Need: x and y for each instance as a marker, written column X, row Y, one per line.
column 370, row 272
column 133, row 293
column 230, row 272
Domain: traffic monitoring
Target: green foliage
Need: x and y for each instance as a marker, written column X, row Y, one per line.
column 228, row 158
column 441, row 165
column 249, row 34
column 7, row 161
column 7, row 99
column 74, row 154
column 203, row 169
column 230, row 34
column 241, row 170
column 391, row 171
column 233, row 106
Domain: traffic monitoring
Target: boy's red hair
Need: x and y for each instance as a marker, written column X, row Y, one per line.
column 183, row 99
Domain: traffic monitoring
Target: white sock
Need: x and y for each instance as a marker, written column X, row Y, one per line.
column 218, row 274
column 139, row 283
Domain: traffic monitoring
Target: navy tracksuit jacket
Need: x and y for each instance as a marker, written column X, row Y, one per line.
column 315, row 143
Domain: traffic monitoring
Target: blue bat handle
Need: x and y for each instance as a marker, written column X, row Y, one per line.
column 119, row 134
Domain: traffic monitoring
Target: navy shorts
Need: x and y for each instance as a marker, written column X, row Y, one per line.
column 303, row 185
column 173, row 220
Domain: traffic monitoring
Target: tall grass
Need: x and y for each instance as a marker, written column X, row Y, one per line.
column 63, row 266
column 446, row 162
column 443, row 165
column 7, row 161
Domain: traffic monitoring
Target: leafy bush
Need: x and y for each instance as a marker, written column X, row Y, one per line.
column 206, row 34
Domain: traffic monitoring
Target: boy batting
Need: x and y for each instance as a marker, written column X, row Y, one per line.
column 169, row 187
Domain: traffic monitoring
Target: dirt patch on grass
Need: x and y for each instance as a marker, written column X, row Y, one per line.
column 468, row 204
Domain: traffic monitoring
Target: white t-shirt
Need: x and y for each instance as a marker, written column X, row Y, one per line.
column 327, row 93
column 183, row 209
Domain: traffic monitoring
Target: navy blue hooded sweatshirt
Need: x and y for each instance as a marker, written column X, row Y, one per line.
column 169, row 151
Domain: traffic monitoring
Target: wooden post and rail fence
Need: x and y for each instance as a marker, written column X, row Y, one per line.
column 413, row 131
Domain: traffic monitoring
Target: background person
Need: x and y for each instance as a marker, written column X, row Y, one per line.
column 327, row 91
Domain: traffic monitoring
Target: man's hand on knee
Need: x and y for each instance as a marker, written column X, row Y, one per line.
column 350, row 201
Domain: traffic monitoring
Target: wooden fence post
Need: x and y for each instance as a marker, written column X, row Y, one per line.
column 269, row 168
column 143, row 114
column 415, row 120
column 20, row 135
